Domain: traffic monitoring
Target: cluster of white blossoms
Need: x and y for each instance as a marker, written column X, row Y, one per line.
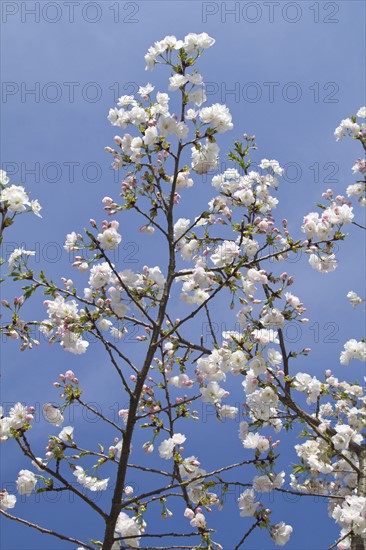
column 251, row 190
column 16, row 255
column 66, row 322
column 130, row 527
column 166, row 448
column 155, row 123
column 232, row 262
column 190, row 470
column 323, row 227
column 351, row 515
column 15, row 198
column 19, row 416
column 63, row 323
column 205, row 158
column 191, row 43
column 198, row 282
column 90, row 482
column 353, row 350
column 349, row 126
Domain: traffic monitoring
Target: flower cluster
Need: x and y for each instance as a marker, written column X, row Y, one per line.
column 15, row 198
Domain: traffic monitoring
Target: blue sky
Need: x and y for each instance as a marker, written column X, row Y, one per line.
column 288, row 71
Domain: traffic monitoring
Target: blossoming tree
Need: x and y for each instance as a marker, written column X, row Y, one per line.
column 234, row 249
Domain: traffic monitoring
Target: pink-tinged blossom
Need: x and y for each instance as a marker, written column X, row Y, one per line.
column 53, row 414
column 166, row 447
column 73, row 343
column 247, row 504
column 180, row 227
column 130, row 527
column 265, row 336
column 18, row 416
column 274, row 357
column 266, row 483
column 150, row 136
column 237, row 362
column 273, row 318
column 355, row 190
column 66, row 434
column 145, row 91
column 353, row 350
column 227, row 411
column 198, row 521
column 323, row 262
column 256, row 276
column 100, row 275
column 281, row 533
column 71, row 242
column 263, row 403
column 212, row 393
column 250, row 247
column 26, row 482
column 109, row 239
column 225, row 254
column 6, row 500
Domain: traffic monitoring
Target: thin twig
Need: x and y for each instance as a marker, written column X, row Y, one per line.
column 46, row 531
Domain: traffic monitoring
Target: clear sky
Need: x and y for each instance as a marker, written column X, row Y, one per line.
column 289, row 72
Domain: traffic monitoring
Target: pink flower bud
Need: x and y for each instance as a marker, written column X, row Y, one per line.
column 188, row 513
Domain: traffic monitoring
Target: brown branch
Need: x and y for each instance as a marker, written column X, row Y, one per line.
column 46, row 531
column 256, row 524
